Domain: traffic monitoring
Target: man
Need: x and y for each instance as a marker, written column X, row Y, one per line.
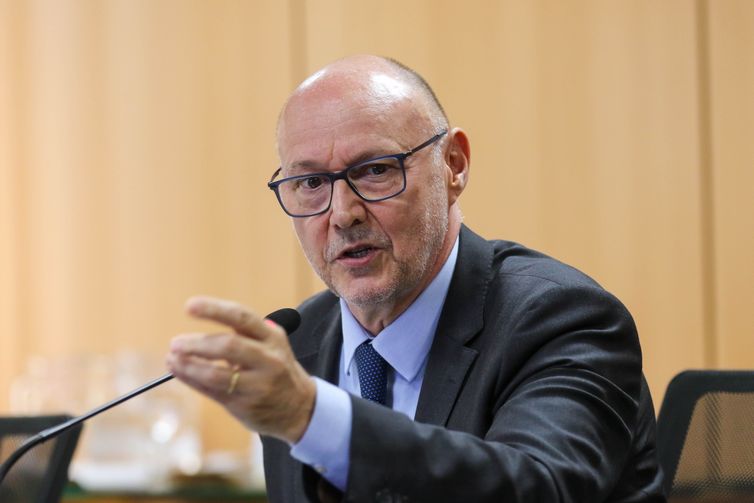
column 522, row 376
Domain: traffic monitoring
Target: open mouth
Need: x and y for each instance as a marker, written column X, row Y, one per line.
column 357, row 252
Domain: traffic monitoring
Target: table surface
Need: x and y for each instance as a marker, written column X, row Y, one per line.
column 215, row 494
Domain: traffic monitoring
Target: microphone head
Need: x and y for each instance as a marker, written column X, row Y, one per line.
column 287, row 318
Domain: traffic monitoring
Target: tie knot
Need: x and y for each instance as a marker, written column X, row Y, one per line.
column 372, row 372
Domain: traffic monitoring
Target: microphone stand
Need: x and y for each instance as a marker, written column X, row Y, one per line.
column 288, row 318
column 56, row 430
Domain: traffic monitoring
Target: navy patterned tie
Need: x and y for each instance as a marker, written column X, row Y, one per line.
column 372, row 373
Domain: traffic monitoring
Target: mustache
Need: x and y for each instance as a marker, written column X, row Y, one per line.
column 347, row 237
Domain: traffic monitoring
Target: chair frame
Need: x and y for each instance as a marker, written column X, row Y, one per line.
column 65, row 444
column 682, row 395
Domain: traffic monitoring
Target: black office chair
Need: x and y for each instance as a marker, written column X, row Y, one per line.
column 705, row 436
column 40, row 474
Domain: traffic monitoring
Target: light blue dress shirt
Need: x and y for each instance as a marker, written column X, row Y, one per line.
column 404, row 344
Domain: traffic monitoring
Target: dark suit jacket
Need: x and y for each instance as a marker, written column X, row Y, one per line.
column 533, row 392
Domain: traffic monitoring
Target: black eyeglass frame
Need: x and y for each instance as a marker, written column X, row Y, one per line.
column 343, row 175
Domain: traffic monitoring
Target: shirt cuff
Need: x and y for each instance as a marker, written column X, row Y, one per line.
column 326, row 440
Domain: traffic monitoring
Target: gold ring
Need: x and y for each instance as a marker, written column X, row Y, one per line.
column 233, row 381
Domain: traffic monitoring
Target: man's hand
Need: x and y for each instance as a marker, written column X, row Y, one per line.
column 271, row 393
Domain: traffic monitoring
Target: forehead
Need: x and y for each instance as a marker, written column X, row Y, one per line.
column 334, row 126
column 330, row 120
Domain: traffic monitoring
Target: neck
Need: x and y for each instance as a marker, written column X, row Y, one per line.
column 374, row 318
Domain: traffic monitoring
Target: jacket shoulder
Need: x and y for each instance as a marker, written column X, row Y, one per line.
column 514, row 260
column 317, row 304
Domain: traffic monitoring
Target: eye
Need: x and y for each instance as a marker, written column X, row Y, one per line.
column 376, row 169
column 308, row 183
column 372, row 171
column 312, row 182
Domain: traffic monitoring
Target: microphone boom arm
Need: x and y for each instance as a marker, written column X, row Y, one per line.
column 288, row 318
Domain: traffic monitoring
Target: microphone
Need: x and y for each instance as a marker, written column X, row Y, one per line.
column 286, row 317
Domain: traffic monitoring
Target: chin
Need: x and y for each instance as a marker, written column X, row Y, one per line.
column 366, row 296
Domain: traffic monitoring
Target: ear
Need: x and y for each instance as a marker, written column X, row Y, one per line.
column 458, row 160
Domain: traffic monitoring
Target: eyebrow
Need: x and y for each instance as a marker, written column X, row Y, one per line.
column 307, row 166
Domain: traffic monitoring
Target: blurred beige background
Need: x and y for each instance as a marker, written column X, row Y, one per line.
column 136, row 138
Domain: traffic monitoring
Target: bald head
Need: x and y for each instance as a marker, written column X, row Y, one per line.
column 373, row 82
column 422, row 85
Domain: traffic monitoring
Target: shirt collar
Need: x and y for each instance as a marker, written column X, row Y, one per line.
column 405, row 343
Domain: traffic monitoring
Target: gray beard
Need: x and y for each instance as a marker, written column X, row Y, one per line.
column 430, row 231
column 410, row 274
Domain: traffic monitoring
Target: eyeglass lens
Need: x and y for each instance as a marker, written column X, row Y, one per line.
column 373, row 181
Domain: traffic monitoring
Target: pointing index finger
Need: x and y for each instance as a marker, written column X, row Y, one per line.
column 234, row 315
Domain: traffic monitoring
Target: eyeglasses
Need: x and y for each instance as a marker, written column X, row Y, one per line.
column 373, row 180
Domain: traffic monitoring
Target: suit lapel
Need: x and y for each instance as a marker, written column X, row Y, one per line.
column 461, row 319
column 322, row 357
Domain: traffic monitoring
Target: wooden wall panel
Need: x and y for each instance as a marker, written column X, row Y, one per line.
column 146, row 137
column 731, row 94
column 9, row 339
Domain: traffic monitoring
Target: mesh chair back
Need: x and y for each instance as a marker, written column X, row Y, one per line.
column 41, row 473
column 705, row 437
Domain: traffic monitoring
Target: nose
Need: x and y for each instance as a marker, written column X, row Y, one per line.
column 347, row 209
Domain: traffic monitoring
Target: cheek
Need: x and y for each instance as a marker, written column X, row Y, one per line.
column 401, row 224
column 311, row 236
column 419, row 221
